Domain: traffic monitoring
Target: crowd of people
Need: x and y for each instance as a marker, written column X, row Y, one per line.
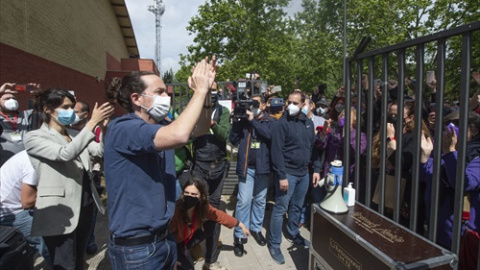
column 164, row 198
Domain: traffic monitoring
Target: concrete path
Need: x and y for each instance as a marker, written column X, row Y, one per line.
column 256, row 257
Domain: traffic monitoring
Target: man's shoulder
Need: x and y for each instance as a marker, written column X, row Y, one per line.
column 129, row 121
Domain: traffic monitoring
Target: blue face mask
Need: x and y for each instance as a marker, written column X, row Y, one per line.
column 65, row 117
column 320, row 111
column 305, row 110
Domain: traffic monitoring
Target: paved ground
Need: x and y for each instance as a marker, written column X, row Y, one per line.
column 257, row 257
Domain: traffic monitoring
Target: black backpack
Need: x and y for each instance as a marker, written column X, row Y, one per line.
column 15, row 252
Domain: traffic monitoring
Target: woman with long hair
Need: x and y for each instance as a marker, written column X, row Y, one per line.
column 61, row 159
column 193, row 214
column 408, row 150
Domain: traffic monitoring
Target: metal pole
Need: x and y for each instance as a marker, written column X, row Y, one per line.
column 344, row 42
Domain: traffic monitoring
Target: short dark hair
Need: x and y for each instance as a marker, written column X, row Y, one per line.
column 50, row 99
column 119, row 90
column 85, row 106
column 262, row 98
column 297, row 92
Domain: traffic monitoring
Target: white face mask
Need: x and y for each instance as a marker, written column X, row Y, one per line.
column 160, row 107
column 293, row 110
column 77, row 120
column 11, row 105
column 257, row 112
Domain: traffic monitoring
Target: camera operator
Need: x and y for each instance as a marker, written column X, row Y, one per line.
column 252, row 135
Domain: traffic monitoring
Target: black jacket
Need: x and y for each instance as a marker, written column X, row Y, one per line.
column 292, row 143
column 241, row 136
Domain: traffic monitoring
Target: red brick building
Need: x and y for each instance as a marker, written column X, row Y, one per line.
column 67, row 44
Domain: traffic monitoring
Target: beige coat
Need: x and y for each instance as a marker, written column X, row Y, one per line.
column 59, row 166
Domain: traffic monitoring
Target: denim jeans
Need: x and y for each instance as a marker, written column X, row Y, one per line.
column 97, row 179
column 23, row 222
column 156, row 255
column 317, row 195
column 291, row 201
column 256, row 186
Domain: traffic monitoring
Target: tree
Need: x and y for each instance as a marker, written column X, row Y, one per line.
column 246, row 36
column 258, row 36
column 168, row 76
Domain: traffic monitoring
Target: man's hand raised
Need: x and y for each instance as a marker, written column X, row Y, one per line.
column 203, row 75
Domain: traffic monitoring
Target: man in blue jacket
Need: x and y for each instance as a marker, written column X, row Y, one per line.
column 252, row 136
column 292, row 139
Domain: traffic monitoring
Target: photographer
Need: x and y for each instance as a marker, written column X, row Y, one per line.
column 15, row 123
column 252, row 135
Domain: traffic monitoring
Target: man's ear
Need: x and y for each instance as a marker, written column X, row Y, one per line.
column 135, row 97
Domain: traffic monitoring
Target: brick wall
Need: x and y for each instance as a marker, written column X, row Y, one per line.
column 72, row 33
column 18, row 66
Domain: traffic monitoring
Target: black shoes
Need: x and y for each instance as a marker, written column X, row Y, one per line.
column 238, row 247
column 298, row 240
column 259, row 238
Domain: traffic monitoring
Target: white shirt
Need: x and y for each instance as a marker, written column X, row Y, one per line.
column 17, row 170
column 318, row 121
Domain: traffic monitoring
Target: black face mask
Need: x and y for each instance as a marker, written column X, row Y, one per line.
column 392, row 120
column 190, row 201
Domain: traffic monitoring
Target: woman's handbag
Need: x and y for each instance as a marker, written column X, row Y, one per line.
column 389, row 191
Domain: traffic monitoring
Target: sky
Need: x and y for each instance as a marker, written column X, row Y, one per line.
column 175, row 37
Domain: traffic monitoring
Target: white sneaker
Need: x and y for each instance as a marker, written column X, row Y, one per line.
column 213, row 266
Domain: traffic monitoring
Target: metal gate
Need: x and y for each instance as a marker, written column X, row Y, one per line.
column 384, row 57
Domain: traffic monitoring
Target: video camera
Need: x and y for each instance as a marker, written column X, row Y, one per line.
column 241, row 107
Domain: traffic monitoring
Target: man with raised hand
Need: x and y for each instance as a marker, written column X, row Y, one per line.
column 141, row 196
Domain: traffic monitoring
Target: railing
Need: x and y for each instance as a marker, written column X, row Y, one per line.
column 399, row 51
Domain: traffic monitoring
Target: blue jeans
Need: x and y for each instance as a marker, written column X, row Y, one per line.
column 23, row 222
column 318, row 194
column 255, row 185
column 291, row 200
column 156, row 255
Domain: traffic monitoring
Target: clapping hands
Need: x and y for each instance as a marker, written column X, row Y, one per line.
column 203, row 75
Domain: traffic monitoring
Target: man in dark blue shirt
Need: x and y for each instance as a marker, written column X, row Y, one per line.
column 141, row 191
column 293, row 137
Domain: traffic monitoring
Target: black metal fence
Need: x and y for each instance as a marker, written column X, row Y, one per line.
column 379, row 63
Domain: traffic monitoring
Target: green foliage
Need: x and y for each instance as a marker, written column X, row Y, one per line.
column 258, row 36
column 168, row 76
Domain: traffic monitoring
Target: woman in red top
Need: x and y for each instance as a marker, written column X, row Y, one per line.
column 192, row 214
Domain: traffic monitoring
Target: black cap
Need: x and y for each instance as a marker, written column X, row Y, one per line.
column 322, row 102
